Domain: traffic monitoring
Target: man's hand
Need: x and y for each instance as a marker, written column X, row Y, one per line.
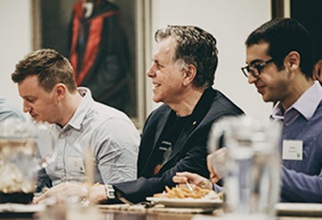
column 63, row 191
column 216, row 164
column 192, row 178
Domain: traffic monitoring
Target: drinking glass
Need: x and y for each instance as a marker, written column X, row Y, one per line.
column 19, row 158
column 251, row 167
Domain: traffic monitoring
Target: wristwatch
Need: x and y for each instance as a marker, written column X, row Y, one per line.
column 110, row 192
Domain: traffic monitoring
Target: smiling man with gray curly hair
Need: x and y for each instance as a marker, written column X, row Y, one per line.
column 174, row 137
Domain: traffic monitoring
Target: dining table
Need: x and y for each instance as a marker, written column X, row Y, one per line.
column 302, row 211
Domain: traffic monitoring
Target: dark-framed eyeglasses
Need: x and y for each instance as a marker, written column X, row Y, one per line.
column 255, row 69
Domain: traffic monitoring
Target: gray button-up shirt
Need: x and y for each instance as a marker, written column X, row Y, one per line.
column 8, row 110
column 97, row 137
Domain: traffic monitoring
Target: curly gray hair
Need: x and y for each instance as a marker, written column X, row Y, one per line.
column 194, row 46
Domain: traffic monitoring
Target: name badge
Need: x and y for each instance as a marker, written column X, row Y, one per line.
column 75, row 164
column 292, row 150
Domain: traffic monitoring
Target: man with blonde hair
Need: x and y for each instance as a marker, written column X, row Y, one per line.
column 85, row 129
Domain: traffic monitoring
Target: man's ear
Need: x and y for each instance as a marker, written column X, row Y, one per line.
column 60, row 91
column 317, row 72
column 190, row 74
column 292, row 61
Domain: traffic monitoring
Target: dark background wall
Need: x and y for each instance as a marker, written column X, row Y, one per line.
column 309, row 14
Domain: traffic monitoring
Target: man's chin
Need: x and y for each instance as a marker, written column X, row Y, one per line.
column 37, row 119
column 267, row 99
column 156, row 99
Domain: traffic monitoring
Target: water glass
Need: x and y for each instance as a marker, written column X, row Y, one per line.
column 252, row 164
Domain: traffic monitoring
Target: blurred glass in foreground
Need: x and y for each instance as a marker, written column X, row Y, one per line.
column 19, row 158
column 251, row 168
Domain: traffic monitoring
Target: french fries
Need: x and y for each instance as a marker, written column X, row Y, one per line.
column 180, row 191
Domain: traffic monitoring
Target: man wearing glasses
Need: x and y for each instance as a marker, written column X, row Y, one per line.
column 279, row 55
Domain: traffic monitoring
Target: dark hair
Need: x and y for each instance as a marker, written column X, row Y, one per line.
column 285, row 35
column 194, row 46
column 50, row 66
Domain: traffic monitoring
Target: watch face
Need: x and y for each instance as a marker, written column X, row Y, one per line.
column 110, row 192
column 110, row 195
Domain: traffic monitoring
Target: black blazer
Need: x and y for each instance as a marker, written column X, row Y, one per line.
column 189, row 153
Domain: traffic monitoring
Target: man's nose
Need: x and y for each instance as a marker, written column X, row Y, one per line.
column 252, row 79
column 150, row 72
column 26, row 107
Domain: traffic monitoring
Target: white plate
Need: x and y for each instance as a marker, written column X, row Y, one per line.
column 299, row 209
column 21, row 208
column 186, row 203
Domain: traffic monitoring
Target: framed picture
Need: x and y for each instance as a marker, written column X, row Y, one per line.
column 105, row 42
